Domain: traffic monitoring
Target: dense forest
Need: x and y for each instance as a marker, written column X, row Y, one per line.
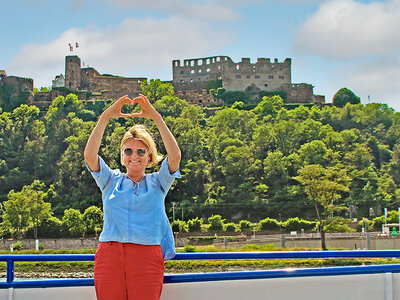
column 240, row 162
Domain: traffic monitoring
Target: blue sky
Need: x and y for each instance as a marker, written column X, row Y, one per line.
column 332, row 44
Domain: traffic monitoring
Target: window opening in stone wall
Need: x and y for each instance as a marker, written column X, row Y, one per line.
column 192, row 63
column 200, row 62
column 281, row 77
column 237, row 67
column 219, row 77
column 191, row 80
column 248, row 76
column 270, row 76
column 257, row 76
column 208, row 70
column 199, row 71
column 266, row 85
column 218, row 59
column 182, row 81
column 192, row 72
column 208, row 61
column 219, row 67
column 238, row 76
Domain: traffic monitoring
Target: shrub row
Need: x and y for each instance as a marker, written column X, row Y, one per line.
column 216, row 223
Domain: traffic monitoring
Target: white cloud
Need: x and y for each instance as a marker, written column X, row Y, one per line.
column 208, row 10
column 136, row 48
column 346, row 29
column 378, row 79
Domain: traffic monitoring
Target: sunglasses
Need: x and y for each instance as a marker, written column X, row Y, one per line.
column 140, row 152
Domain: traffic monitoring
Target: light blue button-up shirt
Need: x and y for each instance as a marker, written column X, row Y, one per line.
column 136, row 213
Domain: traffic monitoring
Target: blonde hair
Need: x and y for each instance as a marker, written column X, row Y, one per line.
column 139, row 132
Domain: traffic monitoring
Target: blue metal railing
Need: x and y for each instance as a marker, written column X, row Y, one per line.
column 216, row 276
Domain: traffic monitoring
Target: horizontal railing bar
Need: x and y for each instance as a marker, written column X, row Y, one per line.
column 220, row 276
column 47, row 257
column 288, row 254
column 223, row 255
column 46, row 283
column 265, row 274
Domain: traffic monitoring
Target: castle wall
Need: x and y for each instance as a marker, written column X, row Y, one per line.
column 263, row 74
column 25, row 84
column 98, row 83
column 198, row 71
column 199, row 97
column 21, row 87
column 193, row 73
column 300, row 93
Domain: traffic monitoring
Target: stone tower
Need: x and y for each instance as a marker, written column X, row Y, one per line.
column 73, row 72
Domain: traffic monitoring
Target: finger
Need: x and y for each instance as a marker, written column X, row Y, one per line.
column 143, row 97
column 125, row 115
column 136, row 115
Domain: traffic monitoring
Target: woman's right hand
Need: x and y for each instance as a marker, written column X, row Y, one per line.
column 114, row 111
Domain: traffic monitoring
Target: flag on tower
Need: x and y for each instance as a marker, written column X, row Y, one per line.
column 70, row 47
column 77, row 45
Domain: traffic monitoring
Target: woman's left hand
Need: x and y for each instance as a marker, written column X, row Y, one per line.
column 148, row 111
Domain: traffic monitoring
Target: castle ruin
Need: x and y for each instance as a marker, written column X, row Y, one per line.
column 190, row 80
column 264, row 75
column 101, row 86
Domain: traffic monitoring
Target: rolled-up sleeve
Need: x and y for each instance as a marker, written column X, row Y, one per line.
column 103, row 176
column 165, row 177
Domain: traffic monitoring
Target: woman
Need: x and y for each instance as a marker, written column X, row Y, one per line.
column 136, row 236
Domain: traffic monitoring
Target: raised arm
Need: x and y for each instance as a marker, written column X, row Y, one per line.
column 93, row 144
column 149, row 112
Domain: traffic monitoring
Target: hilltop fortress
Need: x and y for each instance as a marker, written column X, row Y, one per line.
column 191, row 79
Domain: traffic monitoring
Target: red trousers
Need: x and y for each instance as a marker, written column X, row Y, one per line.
column 127, row 271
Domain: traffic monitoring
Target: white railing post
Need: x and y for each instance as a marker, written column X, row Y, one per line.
column 388, row 286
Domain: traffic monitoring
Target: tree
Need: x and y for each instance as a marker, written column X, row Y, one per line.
column 156, row 89
column 269, row 106
column 26, row 207
column 323, row 187
column 344, row 96
column 72, row 221
column 92, row 219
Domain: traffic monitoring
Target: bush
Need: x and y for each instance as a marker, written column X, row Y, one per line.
column 338, row 224
column 18, row 246
column 216, row 223
column 377, row 222
column 361, row 224
column 245, row 225
column 92, row 219
column 296, row 224
column 72, row 222
column 51, row 227
column 195, row 225
column 230, row 227
column 189, row 248
column 269, row 224
column 344, row 96
column 178, row 226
